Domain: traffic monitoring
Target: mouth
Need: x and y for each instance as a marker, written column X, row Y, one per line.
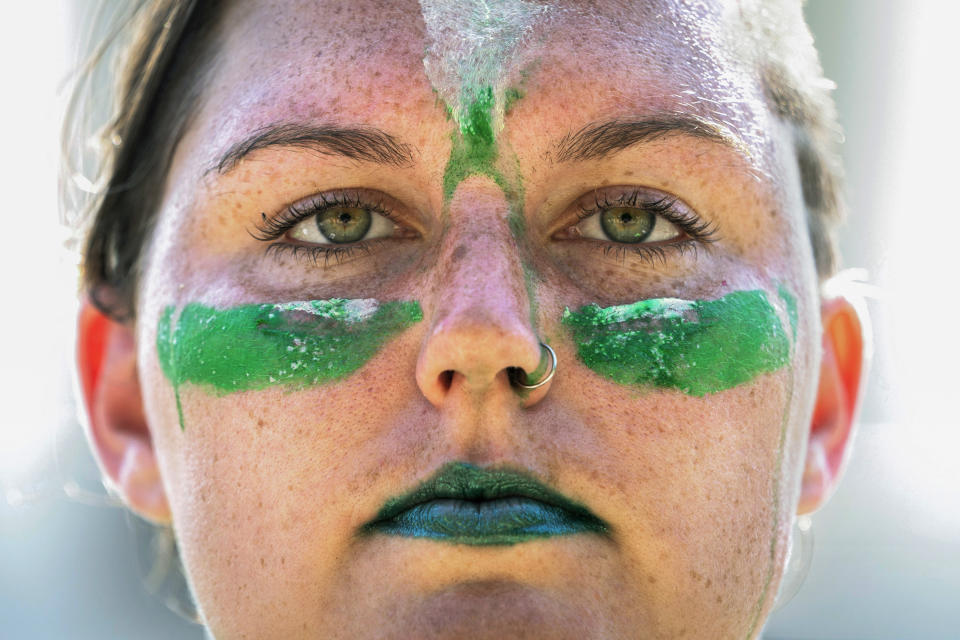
column 464, row 504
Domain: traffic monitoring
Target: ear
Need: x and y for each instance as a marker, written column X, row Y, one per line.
column 838, row 394
column 118, row 433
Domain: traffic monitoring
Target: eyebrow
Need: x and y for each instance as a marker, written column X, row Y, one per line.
column 600, row 139
column 366, row 144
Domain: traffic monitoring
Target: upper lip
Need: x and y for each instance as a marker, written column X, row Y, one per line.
column 463, row 481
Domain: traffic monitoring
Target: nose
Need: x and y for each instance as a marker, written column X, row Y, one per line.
column 481, row 327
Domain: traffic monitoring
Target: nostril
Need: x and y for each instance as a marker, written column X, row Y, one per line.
column 516, row 375
column 446, row 379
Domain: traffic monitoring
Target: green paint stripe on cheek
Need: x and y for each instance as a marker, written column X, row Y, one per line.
column 697, row 347
column 293, row 344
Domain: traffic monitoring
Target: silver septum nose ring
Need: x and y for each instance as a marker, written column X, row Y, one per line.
column 518, row 377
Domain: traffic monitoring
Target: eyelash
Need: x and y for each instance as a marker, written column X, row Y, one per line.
column 699, row 232
column 272, row 229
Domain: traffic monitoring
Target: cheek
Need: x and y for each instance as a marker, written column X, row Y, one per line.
column 268, row 487
column 699, row 491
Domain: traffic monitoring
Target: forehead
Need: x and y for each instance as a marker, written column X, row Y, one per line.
column 380, row 63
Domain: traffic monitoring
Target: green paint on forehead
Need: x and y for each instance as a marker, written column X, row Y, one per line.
column 697, row 347
column 476, row 125
column 473, row 148
column 471, row 49
column 293, row 344
column 510, row 98
column 472, row 45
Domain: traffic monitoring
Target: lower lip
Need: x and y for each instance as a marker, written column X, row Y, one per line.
column 503, row 521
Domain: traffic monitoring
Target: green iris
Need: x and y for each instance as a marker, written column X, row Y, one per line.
column 344, row 224
column 627, row 224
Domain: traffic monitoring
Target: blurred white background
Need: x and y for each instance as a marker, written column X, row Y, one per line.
column 886, row 563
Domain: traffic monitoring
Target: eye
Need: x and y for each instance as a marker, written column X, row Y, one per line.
column 338, row 219
column 333, row 227
column 637, row 216
column 627, row 224
column 342, row 224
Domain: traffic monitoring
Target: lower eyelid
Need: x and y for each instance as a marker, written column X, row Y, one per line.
column 650, row 253
column 320, row 253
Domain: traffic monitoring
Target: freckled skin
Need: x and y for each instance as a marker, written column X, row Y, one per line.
column 269, row 487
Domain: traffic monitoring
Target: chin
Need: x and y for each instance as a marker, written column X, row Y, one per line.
column 486, row 610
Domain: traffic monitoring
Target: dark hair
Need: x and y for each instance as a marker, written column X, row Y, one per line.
column 172, row 51
column 167, row 59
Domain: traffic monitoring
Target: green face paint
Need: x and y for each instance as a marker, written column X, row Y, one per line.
column 472, row 47
column 697, row 347
column 294, row 344
column 791, row 304
column 464, row 504
column 473, row 148
column 510, row 97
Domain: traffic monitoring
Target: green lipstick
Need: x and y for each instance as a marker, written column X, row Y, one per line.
column 465, row 504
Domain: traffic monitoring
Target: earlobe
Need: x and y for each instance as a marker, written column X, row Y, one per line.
column 831, row 431
column 118, row 432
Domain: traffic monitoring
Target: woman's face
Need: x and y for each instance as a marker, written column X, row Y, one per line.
column 469, row 181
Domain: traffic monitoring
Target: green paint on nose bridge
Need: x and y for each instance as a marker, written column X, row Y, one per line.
column 697, row 347
column 474, row 152
column 474, row 148
column 292, row 344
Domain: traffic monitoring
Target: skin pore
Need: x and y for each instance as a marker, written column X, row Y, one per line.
column 272, row 487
